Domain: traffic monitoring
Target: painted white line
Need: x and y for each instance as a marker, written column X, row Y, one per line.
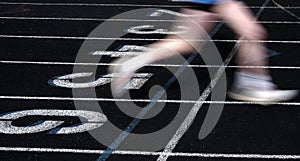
column 145, row 100
column 146, row 153
column 141, row 39
column 197, row 106
column 127, row 20
column 93, row 4
column 88, row 19
column 118, row 5
column 122, row 5
column 285, row 10
column 150, row 65
column 279, row 22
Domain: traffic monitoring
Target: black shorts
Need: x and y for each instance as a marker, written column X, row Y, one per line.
column 196, row 6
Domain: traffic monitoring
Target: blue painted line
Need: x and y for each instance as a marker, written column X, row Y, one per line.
column 54, row 131
column 36, row 123
column 157, row 96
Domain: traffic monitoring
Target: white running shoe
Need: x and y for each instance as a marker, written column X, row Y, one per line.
column 258, row 88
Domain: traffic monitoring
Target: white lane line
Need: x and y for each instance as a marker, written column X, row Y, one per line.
column 93, row 4
column 197, row 106
column 141, row 39
column 146, row 153
column 121, row 5
column 89, row 19
column 126, row 20
column 285, row 10
column 146, row 100
column 150, row 65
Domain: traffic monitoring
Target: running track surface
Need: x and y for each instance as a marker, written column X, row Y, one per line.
column 40, row 41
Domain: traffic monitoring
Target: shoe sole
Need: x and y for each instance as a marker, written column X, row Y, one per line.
column 250, row 99
column 261, row 101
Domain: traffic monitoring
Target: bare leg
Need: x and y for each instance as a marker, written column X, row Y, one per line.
column 243, row 22
column 250, row 84
column 198, row 27
column 202, row 20
column 165, row 49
